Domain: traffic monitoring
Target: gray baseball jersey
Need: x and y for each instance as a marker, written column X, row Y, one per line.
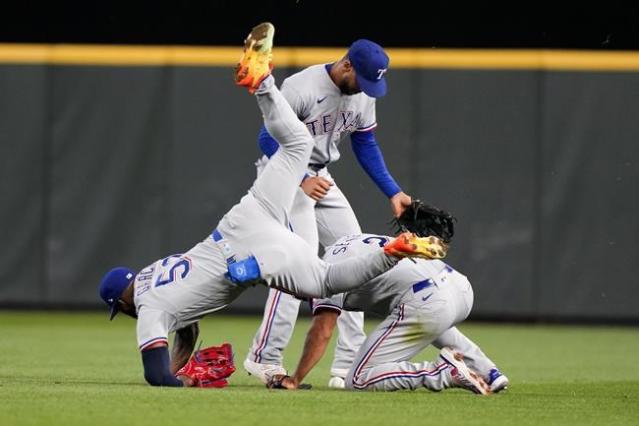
column 328, row 114
column 176, row 291
column 422, row 301
column 380, row 295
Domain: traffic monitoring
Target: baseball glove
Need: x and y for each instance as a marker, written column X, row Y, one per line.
column 276, row 382
column 210, row 367
column 424, row 221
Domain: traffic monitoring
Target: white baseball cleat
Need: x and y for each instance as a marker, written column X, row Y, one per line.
column 497, row 380
column 263, row 372
column 463, row 376
column 337, row 382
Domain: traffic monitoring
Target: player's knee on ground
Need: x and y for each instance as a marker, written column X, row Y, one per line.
column 349, row 380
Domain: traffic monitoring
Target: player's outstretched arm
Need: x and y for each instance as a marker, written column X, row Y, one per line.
column 183, row 345
column 370, row 157
column 317, row 339
column 157, row 370
column 399, row 203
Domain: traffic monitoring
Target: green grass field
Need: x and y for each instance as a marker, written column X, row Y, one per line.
column 80, row 369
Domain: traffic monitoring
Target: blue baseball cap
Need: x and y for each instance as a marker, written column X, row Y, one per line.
column 113, row 285
column 370, row 63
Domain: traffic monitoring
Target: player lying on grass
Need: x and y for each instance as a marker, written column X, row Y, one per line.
column 422, row 301
column 252, row 244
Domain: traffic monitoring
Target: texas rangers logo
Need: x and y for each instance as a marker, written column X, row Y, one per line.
column 381, row 72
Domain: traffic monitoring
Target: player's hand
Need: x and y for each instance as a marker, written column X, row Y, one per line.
column 186, row 381
column 281, row 381
column 399, row 203
column 317, row 187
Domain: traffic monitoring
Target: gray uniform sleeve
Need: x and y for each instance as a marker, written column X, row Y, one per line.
column 153, row 327
column 368, row 119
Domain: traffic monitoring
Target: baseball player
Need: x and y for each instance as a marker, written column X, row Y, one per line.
column 335, row 101
column 422, row 301
column 251, row 244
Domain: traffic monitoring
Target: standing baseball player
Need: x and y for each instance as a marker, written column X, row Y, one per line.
column 422, row 301
column 252, row 244
column 334, row 101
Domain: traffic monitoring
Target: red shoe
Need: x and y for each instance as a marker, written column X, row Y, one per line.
column 409, row 245
column 255, row 64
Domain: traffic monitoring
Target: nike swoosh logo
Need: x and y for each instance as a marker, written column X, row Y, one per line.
column 319, row 101
column 426, row 297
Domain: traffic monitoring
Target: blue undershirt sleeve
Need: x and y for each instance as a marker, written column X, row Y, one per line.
column 157, row 370
column 370, row 158
column 268, row 145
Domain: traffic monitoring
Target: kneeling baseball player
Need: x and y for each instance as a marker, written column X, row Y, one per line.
column 422, row 301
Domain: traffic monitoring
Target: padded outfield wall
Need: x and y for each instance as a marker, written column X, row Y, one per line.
column 122, row 155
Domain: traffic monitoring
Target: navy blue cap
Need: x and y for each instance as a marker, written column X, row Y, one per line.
column 113, row 285
column 370, row 63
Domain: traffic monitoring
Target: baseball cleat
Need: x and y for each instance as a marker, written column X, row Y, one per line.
column 263, row 372
column 255, row 64
column 497, row 381
column 409, row 245
column 463, row 377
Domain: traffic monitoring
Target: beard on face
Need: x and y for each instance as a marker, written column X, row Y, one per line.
column 348, row 89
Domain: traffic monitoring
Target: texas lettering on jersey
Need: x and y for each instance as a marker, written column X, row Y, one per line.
column 329, row 115
column 344, row 122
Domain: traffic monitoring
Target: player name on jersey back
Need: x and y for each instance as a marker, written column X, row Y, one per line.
column 383, row 292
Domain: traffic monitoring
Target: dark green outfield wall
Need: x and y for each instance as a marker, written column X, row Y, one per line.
column 102, row 166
